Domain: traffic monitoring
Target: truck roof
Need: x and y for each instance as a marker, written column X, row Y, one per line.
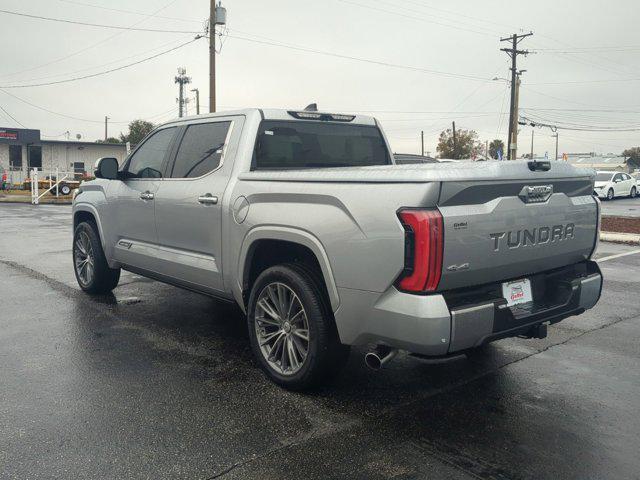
column 278, row 114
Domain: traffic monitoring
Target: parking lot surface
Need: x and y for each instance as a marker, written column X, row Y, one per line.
column 622, row 207
column 156, row 382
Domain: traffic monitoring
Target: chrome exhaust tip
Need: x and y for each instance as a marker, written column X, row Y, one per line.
column 377, row 358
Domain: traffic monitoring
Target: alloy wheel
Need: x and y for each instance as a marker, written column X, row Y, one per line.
column 84, row 259
column 282, row 328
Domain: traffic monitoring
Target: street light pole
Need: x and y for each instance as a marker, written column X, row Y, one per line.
column 532, row 132
column 106, row 120
column 212, row 57
column 197, row 100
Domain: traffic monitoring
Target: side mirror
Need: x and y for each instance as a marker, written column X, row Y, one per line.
column 106, row 168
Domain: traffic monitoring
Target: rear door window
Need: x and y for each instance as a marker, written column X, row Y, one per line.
column 302, row 144
column 200, row 150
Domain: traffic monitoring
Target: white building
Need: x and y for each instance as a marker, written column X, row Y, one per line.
column 23, row 149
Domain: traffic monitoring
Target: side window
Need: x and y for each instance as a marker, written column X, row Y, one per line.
column 200, row 150
column 626, row 177
column 617, row 177
column 146, row 162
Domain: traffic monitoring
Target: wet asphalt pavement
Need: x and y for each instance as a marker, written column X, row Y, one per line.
column 155, row 382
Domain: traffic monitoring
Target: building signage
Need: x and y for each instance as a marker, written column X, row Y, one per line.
column 22, row 136
column 9, row 134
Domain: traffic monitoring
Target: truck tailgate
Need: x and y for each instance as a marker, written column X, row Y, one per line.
column 503, row 230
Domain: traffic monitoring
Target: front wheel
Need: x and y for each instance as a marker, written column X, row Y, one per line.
column 633, row 192
column 89, row 263
column 610, row 194
column 291, row 328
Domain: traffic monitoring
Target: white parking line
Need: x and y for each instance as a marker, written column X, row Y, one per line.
column 618, row 255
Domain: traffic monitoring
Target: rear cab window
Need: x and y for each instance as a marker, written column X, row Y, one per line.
column 283, row 145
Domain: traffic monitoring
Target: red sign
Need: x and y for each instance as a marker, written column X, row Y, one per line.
column 9, row 135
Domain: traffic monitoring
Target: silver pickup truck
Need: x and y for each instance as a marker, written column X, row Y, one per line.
column 304, row 220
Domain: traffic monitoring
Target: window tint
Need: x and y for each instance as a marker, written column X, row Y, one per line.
column 200, row 150
column 303, row 144
column 147, row 160
column 618, row 177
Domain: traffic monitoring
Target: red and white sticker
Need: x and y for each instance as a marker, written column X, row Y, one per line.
column 517, row 291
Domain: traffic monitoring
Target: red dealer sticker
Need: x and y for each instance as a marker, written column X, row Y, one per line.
column 518, row 291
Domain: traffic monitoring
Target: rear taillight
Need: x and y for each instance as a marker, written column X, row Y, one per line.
column 424, row 240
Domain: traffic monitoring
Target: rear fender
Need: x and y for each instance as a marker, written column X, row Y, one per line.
column 287, row 234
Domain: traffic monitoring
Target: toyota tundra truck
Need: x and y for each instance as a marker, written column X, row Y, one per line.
column 303, row 219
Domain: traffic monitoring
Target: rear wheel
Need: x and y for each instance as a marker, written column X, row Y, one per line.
column 64, row 189
column 610, row 194
column 292, row 330
column 89, row 263
column 633, row 192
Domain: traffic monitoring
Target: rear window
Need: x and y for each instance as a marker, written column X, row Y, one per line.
column 603, row 177
column 296, row 145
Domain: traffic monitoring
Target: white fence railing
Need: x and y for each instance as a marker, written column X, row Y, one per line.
column 35, row 186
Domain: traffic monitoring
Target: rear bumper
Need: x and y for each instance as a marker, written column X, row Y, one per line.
column 441, row 324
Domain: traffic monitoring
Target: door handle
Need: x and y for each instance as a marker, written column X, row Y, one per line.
column 207, row 199
column 146, row 195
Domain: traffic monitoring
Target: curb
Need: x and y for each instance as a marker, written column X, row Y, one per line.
column 614, row 237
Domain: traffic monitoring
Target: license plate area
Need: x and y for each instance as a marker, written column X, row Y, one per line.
column 517, row 292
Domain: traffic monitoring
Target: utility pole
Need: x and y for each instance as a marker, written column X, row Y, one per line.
column 532, row 132
column 513, row 52
column 455, row 142
column 106, row 121
column 217, row 16
column 422, row 141
column 486, row 149
column 197, row 100
column 556, row 135
column 182, row 80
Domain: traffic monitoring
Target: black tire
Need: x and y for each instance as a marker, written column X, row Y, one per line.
column 63, row 189
column 610, row 194
column 326, row 355
column 104, row 279
column 633, row 192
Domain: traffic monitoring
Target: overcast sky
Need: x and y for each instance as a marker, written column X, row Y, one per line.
column 583, row 74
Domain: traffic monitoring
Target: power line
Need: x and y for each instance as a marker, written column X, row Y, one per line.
column 413, row 17
column 93, row 45
column 132, row 12
column 98, row 25
column 84, row 77
column 11, row 117
column 359, row 59
column 578, row 128
column 71, row 117
column 103, row 64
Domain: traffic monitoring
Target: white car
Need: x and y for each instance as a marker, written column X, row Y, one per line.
column 636, row 176
column 614, row 184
